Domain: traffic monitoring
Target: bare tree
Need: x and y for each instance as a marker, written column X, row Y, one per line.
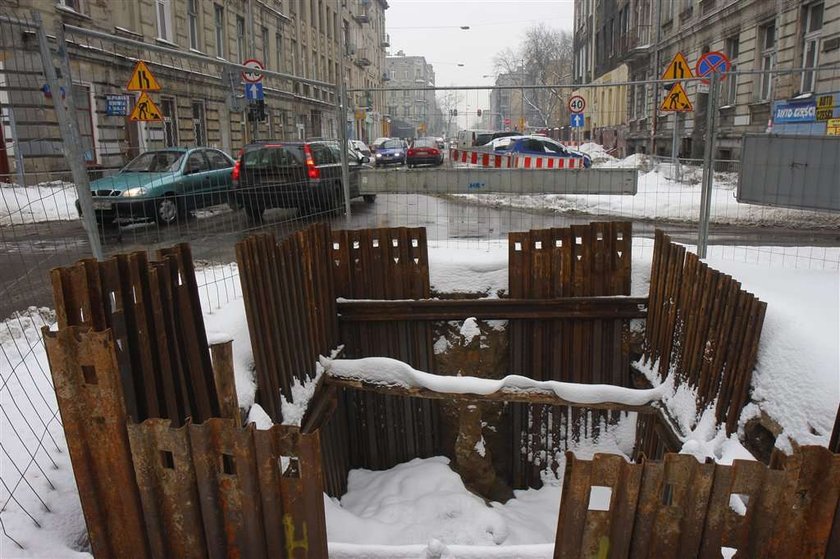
column 544, row 58
column 448, row 101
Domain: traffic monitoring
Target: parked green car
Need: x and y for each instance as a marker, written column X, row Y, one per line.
column 163, row 185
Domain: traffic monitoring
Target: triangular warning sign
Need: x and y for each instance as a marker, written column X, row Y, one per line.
column 676, row 101
column 145, row 109
column 142, row 79
column 678, row 69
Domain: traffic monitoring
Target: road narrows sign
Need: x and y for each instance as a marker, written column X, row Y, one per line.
column 676, row 101
column 254, row 75
column 145, row 110
column 678, row 69
column 577, row 104
column 142, row 79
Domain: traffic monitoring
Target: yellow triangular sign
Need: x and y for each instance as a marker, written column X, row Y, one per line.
column 142, row 79
column 145, row 109
column 676, row 101
column 678, row 69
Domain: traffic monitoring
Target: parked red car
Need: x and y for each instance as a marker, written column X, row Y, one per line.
column 424, row 151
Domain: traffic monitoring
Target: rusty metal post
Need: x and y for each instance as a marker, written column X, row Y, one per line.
column 89, row 393
column 222, row 356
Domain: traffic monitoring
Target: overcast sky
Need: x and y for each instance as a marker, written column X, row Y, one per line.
column 430, row 28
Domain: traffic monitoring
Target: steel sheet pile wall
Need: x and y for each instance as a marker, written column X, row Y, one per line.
column 580, row 261
column 682, row 508
column 154, row 312
column 131, row 335
column 290, row 305
column 379, row 431
column 221, row 490
column 703, row 327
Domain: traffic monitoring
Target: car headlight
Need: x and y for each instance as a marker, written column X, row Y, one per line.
column 133, row 192
column 398, row 153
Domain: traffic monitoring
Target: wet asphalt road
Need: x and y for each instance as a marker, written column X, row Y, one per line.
column 27, row 253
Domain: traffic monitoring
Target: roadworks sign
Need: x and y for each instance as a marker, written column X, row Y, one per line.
column 142, row 79
column 676, row 101
column 145, row 110
column 678, row 69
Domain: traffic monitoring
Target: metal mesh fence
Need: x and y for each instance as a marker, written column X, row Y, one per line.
column 213, row 168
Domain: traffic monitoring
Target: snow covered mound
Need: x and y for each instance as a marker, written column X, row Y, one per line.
column 412, row 503
column 596, row 152
column 49, row 201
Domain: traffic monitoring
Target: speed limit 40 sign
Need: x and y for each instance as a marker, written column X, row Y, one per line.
column 577, row 104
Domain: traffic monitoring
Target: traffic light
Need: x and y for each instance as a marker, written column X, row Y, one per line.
column 256, row 111
column 478, row 112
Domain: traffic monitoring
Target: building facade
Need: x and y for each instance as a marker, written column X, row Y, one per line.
column 767, row 37
column 413, row 112
column 202, row 100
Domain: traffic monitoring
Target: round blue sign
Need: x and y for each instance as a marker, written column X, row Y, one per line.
column 714, row 61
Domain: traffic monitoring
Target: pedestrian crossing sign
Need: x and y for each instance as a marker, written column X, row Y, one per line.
column 145, row 110
column 678, row 69
column 142, row 79
column 676, row 101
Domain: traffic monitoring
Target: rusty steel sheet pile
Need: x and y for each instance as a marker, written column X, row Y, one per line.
column 705, row 327
column 578, row 261
column 290, row 306
column 680, row 507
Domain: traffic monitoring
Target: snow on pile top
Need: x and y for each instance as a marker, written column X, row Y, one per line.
column 469, row 330
column 390, row 372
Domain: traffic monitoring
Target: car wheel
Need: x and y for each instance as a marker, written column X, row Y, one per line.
column 167, row 210
column 370, row 198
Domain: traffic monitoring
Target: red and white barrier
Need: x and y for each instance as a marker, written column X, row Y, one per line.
column 508, row 161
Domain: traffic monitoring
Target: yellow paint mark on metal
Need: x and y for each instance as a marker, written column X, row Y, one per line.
column 603, row 547
column 291, row 543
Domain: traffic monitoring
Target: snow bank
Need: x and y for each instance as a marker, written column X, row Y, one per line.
column 49, row 201
column 390, row 372
column 468, row 267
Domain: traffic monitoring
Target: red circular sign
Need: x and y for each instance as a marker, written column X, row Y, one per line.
column 254, row 76
column 710, row 62
column 577, row 104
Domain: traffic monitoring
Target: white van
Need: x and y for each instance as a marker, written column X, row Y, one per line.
column 474, row 137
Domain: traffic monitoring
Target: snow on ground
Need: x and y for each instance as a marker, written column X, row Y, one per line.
column 49, row 201
column 417, row 505
column 662, row 198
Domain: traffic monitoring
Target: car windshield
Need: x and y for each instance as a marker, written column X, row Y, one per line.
column 481, row 139
column 392, row 144
column 155, row 162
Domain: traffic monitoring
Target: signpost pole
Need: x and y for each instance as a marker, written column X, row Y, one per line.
column 69, row 127
column 675, row 156
column 708, row 167
column 341, row 101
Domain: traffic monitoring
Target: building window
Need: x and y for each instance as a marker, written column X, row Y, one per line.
column 768, row 60
column 278, row 50
column 266, row 52
column 240, row 38
column 164, row 19
column 730, row 86
column 219, row 22
column 84, row 119
column 192, row 22
column 170, row 121
column 199, row 123
column 75, row 5
column 811, row 46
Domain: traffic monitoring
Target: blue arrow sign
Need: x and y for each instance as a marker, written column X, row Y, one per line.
column 254, row 92
column 577, row 120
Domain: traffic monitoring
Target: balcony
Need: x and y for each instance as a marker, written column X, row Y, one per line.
column 362, row 58
column 360, row 12
column 386, row 41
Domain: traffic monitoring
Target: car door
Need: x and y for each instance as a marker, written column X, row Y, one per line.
column 530, row 146
column 221, row 181
column 196, row 181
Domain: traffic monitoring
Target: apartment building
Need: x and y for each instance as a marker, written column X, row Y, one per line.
column 413, row 112
column 768, row 37
column 201, row 100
